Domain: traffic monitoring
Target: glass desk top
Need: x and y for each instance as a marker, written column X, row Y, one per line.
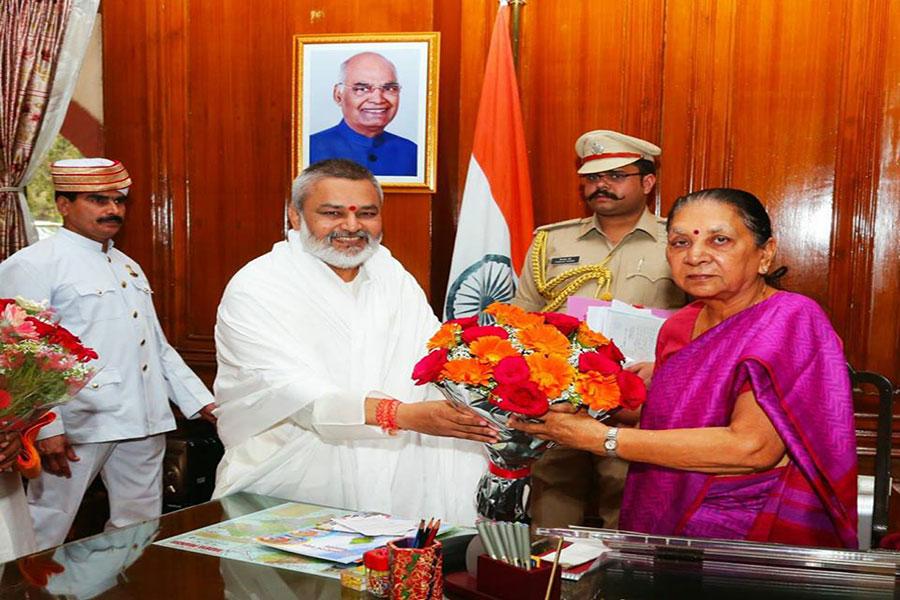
column 126, row 564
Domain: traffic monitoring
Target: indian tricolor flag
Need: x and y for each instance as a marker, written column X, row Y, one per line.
column 495, row 219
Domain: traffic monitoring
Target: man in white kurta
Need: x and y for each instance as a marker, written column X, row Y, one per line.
column 303, row 353
column 115, row 426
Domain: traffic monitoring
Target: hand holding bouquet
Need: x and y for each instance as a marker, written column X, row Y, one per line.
column 41, row 366
column 519, row 366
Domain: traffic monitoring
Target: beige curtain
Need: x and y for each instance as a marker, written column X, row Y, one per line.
column 42, row 45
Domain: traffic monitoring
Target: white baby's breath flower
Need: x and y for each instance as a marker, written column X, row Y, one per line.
column 32, row 305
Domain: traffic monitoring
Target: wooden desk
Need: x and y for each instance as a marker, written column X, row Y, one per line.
column 124, row 564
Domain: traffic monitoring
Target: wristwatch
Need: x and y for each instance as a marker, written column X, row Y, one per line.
column 611, row 444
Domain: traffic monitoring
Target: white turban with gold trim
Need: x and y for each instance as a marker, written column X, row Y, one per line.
column 89, row 175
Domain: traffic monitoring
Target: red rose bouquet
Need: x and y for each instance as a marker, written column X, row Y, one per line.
column 41, row 366
column 520, row 365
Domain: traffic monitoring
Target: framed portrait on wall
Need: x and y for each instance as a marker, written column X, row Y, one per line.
column 370, row 98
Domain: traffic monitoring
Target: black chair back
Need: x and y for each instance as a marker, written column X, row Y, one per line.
column 877, row 407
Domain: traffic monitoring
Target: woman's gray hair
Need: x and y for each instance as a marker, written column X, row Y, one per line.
column 337, row 168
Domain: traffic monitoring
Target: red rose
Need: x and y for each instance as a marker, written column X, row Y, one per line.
column 45, row 330
column 4, row 302
column 595, row 361
column 64, row 338
column 634, row 392
column 473, row 333
column 428, row 369
column 566, row 324
column 524, row 399
column 512, row 369
column 465, row 322
column 612, row 352
column 85, row 354
column 5, row 399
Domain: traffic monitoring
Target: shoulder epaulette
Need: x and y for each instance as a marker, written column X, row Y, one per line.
column 561, row 224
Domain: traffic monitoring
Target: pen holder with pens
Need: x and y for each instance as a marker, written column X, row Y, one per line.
column 416, row 573
column 504, row 581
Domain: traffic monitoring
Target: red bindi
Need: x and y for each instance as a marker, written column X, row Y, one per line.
column 352, row 208
column 696, row 232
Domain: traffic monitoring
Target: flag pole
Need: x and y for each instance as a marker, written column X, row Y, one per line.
column 516, row 12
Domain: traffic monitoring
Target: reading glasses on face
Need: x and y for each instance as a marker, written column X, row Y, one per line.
column 367, row 89
column 609, row 176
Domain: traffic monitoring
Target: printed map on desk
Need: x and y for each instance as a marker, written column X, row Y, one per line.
column 236, row 539
column 332, row 545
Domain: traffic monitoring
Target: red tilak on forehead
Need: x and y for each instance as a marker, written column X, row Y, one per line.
column 696, row 232
column 352, row 208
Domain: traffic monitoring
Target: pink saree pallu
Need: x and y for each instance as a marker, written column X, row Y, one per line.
column 786, row 351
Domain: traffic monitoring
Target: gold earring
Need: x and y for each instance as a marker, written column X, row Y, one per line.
column 764, row 270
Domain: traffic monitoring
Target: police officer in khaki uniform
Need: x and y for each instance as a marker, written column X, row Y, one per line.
column 619, row 252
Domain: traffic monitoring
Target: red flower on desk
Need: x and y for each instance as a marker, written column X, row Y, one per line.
column 41, row 366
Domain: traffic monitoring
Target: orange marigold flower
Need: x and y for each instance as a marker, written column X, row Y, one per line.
column 502, row 311
column 590, row 338
column 552, row 374
column 492, row 349
column 528, row 320
column 468, row 370
column 507, row 314
column 545, row 339
column 600, row 392
column 445, row 336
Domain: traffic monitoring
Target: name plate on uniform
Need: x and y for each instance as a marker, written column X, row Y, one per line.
column 565, row 260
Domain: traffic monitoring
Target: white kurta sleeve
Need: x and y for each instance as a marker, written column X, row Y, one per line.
column 183, row 386
column 268, row 373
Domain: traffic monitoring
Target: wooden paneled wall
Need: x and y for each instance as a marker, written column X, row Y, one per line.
column 798, row 102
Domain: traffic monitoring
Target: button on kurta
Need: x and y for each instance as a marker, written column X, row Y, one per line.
column 144, row 368
column 134, row 314
column 124, row 284
column 143, row 342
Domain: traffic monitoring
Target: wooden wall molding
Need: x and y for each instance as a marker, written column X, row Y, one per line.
column 856, row 172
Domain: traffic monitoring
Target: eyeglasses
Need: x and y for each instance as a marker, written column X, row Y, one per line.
column 361, row 90
column 609, row 176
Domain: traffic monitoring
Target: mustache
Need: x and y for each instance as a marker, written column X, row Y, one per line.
column 336, row 235
column 604, row 193
column 111, row 219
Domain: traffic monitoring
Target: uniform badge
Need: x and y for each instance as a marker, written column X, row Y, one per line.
column 565, row 260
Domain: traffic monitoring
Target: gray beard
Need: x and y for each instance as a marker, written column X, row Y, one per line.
column 324, row 251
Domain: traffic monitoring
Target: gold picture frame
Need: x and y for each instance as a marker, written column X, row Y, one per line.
column 328, row 118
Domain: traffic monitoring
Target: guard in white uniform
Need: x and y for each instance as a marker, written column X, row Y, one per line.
column 115, row 426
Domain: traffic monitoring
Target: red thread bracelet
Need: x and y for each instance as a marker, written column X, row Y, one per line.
column 386, row 415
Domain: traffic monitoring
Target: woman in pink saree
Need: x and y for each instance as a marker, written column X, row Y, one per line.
column 747, row 432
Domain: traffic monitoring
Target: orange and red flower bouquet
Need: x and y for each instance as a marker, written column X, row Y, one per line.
column 520, row 365
column 41, row 366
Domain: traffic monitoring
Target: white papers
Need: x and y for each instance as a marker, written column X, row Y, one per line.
column 577, row 553
column 374, row 525
column 634, row 330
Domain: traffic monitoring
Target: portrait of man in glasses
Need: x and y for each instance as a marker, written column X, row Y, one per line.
column 368, row 93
